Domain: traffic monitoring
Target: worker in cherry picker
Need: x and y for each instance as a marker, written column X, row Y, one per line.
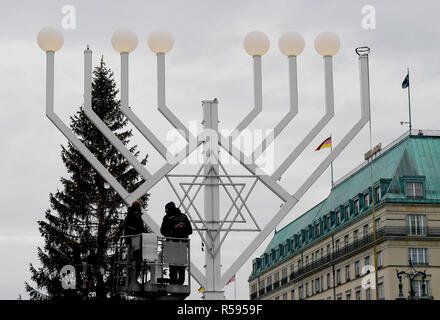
column 175, row 224
column 134, row 225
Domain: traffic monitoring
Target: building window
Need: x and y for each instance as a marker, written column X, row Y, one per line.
column 416, row 224
column 328, row 249
column 322, row 283
column 285, row 296
column 418, row 256
column 338, row 217
column 254, row 290
column 338, row 276
column 269, row 284
column 346, row 212
column 357, row 269
column 328, row 222
column 377, row 195
column 284, row 276
column 292, row 269
column 367, row 261
column 380, row 290
column 328, row 281
column 380, row 259
column 366, row 230
column 368, row 294
column 337, row 245
column 317, row 285
column 347, row 272
column 307, row 289
column 356, row 206
column 414, row 190
column 418, row 288
column 262, row 288
column 348, row 295
column 358, row 294
column 301, row 293
column 292, row 294
column 355, row 235
column 276, row 280
column 346, row 241
column 366, row 201
column 377, row 224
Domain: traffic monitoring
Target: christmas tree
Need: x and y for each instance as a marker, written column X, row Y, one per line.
column 85, row 219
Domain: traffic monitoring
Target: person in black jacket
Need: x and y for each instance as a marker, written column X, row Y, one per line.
column 175, row 224
column 133, row 223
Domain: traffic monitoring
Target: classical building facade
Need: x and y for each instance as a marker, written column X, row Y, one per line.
column 329, row 251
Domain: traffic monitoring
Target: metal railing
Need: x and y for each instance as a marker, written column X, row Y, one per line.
column 140, row 264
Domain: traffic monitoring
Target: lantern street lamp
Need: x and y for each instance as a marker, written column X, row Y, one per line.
column 412, row 274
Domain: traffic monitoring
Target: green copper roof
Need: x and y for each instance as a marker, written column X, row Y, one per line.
column 409, row 158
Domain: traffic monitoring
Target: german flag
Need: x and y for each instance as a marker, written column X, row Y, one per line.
column 327, row 143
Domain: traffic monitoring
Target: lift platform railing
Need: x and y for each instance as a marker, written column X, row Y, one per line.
column 142, row 266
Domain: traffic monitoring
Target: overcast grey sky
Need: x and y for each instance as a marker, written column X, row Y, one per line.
column 207, row 61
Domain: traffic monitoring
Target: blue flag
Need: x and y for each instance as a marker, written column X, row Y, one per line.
column 405, row 83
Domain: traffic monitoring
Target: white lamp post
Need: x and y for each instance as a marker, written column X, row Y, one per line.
column 256, row 44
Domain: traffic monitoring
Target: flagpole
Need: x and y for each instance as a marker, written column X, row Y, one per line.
column 409, row 103
column 331, row 164
column 235, row 288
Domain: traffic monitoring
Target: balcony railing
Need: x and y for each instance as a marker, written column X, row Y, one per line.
column 388, row 232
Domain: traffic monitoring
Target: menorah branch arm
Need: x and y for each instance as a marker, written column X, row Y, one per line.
column 143, row 129
column 164, row 170
column 128, row 198
column 161, row 102
column 293, row 109
column 253, row 246
column 258, row 99
column 249, row 165
column 365, row 117
column 102, row 127
column 329, row 114
column 67, row 132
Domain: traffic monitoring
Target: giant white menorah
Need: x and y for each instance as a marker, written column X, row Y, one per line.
column 256, row 44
